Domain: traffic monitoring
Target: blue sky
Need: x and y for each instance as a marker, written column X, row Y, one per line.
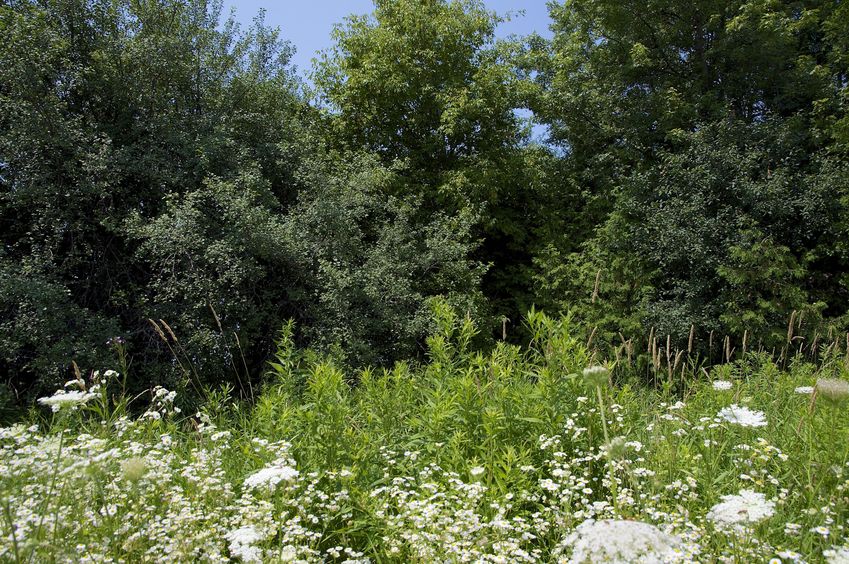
column 308, row 23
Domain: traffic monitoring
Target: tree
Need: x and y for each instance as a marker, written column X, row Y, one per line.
column 426, row 86
column 699, row 133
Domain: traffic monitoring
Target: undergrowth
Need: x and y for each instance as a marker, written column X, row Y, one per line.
column 516, row 454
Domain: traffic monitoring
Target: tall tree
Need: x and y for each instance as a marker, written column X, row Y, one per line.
column 696, row 131
column 425, row 85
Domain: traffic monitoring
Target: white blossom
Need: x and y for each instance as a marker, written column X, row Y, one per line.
column 270, row 476
column 735, row 512
column 743, row 416
column 619, row 541
column 62, row 399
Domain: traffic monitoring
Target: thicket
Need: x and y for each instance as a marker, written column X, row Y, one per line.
column 171, row 191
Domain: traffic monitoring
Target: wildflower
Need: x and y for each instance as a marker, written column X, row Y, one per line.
column 737, row 511
column 743, row 416
column 616, row 447
column 596, row 376
column 477, row 471
column 792, row 529
column 822, row 531
column 242, row 541
column 134, row 468
column 721, row 385
column 834, row 390
column 804, row 390
column 549, row 485
column 838, row 555
column 62, row 399
column 620, row 541
column 270, row 476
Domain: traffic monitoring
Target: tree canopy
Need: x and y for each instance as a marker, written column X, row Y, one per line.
column 166, row 178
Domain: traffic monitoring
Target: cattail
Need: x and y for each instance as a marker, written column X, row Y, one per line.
column 678, row 359
column 627, row 346
column 691, row 339
column 655, row 354
column 727, row 348
column 745, row 339
column 669, row 356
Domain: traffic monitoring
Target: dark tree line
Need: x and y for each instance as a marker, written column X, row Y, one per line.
column 159, row 163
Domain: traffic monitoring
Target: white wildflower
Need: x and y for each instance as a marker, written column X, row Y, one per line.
column 721, row 385
column 837, row 555
column 477, row 471
column 270, row 476
column 833, row 390
column 619, row 541
column 62, row 399
column 804, row 390
column 737, row 511
column 743, row 416
column 823, row 531
column 242, row 541
column 596, row 375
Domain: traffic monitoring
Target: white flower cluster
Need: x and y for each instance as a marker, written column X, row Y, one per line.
column 743, row 416
column 64, row 399
column 270, row 476
column 621, row 542
column 738, row 512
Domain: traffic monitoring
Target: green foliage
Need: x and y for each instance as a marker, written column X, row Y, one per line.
column 426, row 87
column 160, row 165
column 165, row 177
column 702, row 137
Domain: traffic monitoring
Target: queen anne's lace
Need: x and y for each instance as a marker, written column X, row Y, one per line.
column 63, row 399
column 270, row 476
column 736, row 512
column 743, row 416
column 618, row 541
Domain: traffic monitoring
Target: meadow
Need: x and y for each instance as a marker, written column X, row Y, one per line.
column 540, row 453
